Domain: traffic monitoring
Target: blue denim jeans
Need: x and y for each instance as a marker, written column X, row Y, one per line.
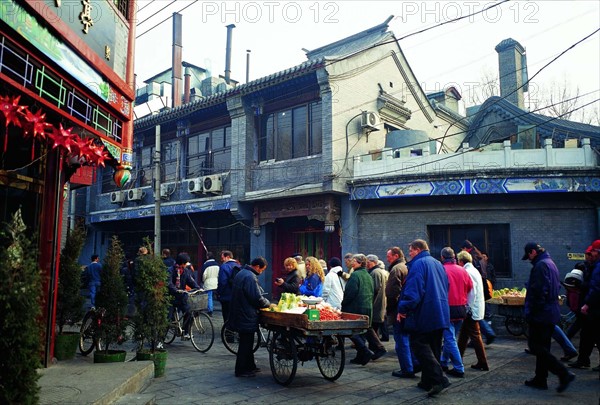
column 209, row 294
column 486, row 329
column 405, row 356
column 563, row 341
column 450, row 350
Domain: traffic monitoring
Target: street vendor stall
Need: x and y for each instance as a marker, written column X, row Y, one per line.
column 296, row 338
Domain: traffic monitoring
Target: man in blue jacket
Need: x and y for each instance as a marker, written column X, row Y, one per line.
column 424, row 307
column 227, row 272
column 94, row 270
column 542, row 312
column 246, row 300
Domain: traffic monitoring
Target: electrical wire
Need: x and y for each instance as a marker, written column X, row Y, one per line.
column 166, row 19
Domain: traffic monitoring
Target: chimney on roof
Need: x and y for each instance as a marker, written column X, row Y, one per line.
column 230, row 28
column 176, row 61
column 247, row 65
column 186, row 85
column 512, row 62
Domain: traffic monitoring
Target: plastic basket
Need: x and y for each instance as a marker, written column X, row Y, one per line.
column 198, row 302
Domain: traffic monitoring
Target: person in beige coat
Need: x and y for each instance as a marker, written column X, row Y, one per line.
column 380, row 276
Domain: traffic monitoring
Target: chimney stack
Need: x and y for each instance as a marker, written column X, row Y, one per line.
column 186, row 85
column 230, row 28
column 512, row 62
column 247, row 65
column 176, row 61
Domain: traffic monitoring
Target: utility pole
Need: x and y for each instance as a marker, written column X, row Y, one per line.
column 157, row 248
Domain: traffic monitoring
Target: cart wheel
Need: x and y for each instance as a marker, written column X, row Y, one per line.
column 515, row 326
column 331, row 361
column 283, row 358
column 231, row 340
column 202, row 333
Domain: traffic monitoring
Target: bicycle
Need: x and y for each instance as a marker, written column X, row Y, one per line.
column 231, row 339
column 202, row 333
column 90, row 335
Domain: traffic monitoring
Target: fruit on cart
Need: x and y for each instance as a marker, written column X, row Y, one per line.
column 511, row 292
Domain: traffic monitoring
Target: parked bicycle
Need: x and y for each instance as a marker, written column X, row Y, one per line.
column 202, row 333
column 231, row 339
column 90, row 334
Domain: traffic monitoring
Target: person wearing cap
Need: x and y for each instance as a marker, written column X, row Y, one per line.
column 180, row 277
column 590, row 310
column 542, row 313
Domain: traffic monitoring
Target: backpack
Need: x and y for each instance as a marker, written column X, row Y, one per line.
column 488, row 290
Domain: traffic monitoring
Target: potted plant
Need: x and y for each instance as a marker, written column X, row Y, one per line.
column 20, row 302
column 69, row 301
column 113, row 298
column 152, row 302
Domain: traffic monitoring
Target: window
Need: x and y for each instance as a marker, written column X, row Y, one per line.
column 209, row 152
column 494, row 239
column 291, row 133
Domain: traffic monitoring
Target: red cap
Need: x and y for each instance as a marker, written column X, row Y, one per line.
column 589, row 249
column 596, row 244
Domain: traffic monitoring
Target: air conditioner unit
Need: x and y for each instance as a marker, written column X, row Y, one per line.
column 195, row 185
column 213, row 184
column 370, row 120
column 164, row 191
column 135, row 194
column 117, row 197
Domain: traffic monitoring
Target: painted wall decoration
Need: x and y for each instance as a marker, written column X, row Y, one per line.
column 543, row 184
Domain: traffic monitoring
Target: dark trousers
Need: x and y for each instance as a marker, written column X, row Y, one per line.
column 225, row 309
column 470, row 329
column 381, row 328
column 244, row 361
column 373, row 339
column 540, row 338
column 427, row 348
column 588, row 337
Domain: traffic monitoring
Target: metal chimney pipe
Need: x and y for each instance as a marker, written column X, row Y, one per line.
column 186, row 85
column 176, row 61
column 247, row 65
column 230, row 28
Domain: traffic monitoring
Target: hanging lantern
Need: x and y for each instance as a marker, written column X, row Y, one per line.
column 121, row 176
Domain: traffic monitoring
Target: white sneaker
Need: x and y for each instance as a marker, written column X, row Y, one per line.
column 160, row 345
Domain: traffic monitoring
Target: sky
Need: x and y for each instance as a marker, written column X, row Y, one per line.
column 459, row 53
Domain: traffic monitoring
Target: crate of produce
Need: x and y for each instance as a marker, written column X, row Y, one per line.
column 301, row 321
column 513, row 300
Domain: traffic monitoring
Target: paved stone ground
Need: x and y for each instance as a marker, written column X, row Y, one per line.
column 197, row 378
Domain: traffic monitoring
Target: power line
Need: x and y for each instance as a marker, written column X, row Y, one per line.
column 166, row 19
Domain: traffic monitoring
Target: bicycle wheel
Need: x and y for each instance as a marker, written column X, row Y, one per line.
column 86, row 335
column 283, row 358
column 202, row 334
column 331, row 361
column 231, row 340
column 171, row 333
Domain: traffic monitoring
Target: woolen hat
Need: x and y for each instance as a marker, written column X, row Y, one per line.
column 334, row 262
column 576, row 274
column 589, row 249
column 596, row 245
column 529, row 247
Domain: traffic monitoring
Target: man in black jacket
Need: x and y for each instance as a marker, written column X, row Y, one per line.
column 246, row 300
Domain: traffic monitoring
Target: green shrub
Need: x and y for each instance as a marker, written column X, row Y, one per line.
column 20, row 326
column 152, row 299
column 69, row 301
column 112, row 295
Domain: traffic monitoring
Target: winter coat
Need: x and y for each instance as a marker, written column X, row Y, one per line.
column 186, row 278
column 592, row 298
column 94, row 270
column 225, row 283
column 358, row 295
column 397, row 277
column 312, row 286
column 333, row 288
column 475, row 298
column 541, row 300
column 291, row 284
column 424, row 297
column 246, row 300
column 380, row 277
column 459, row 286
column 210, row 275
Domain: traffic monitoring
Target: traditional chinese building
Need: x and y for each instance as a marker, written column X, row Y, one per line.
column 66, row 94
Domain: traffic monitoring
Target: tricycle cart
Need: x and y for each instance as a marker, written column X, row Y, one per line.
column 512, row 308
column 294, row 338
